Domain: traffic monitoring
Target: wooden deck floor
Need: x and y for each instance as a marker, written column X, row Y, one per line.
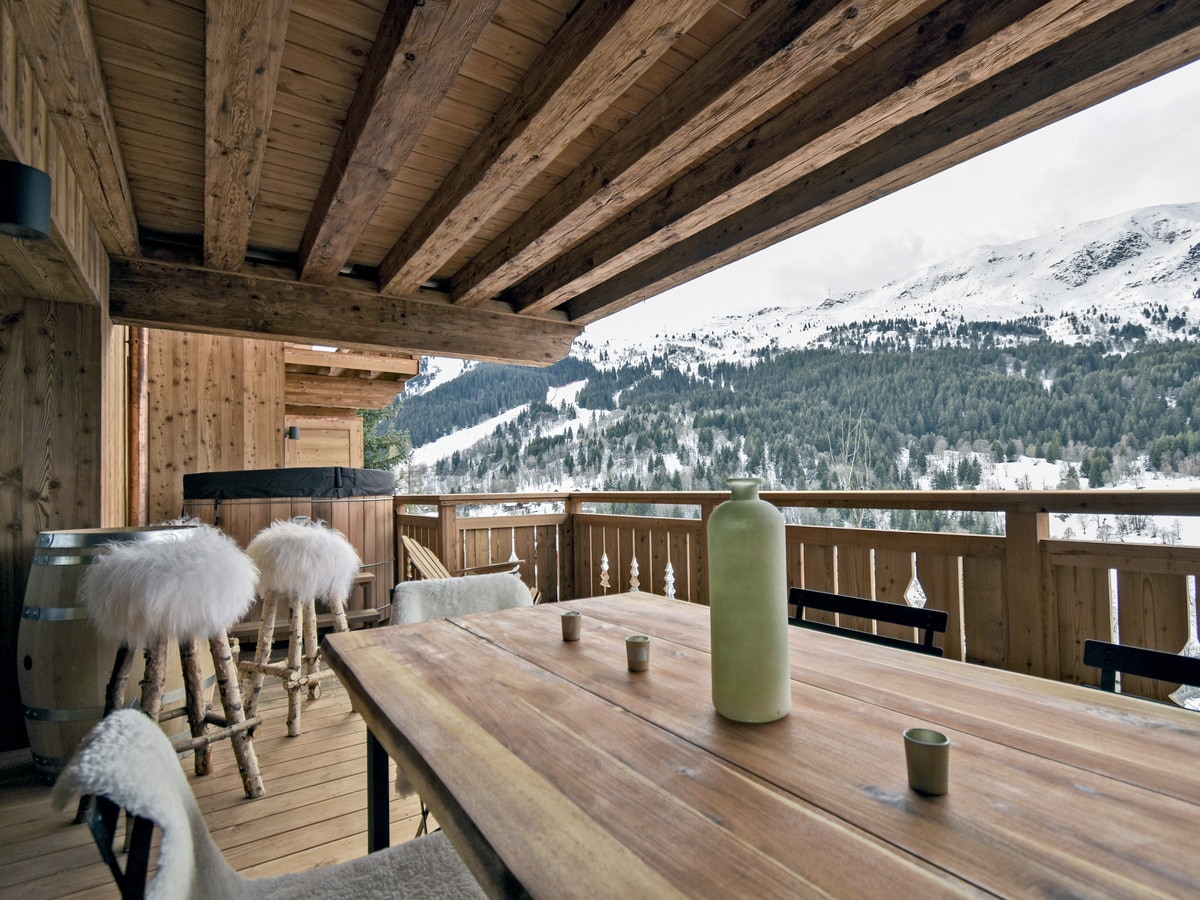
column 313, row 814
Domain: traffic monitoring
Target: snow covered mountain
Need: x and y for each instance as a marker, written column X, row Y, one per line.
column 1140, row 269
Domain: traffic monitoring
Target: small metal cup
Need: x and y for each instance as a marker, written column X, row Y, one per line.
column 637, row 652
column 927, row 754
column 571, row 623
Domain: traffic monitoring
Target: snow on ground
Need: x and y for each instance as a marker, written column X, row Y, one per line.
column 1029, row 473
column 568, row 393
column 464, row 438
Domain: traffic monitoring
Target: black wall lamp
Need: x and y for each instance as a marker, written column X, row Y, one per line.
column 24, row 201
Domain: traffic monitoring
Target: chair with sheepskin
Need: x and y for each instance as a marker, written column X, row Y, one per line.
column 190, row 588
column 299, row 562
column 126, row 761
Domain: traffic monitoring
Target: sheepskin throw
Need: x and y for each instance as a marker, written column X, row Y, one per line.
column 440, row 598
column 128, row 759
column 305, row 560
column 195, row 585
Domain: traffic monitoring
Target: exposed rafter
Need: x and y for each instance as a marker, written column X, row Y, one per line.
column 243, row 46
column 340, row 362
column 56, row 36
column 546, row 163
column 331, row 391
column 603, row 48
column 778, row 51
column 1133, row 45
column 413, row 60
column 189, row 298
column 936, row 58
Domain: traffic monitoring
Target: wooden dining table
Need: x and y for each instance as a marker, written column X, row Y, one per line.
column 556, row 772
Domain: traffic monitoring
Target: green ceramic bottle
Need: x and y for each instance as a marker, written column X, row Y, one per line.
column 747, row 582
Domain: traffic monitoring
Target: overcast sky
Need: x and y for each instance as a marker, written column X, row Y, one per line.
column 1139, row 149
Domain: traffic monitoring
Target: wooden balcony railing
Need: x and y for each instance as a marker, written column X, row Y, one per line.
column 1021, row 601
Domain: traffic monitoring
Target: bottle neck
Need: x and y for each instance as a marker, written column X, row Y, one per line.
column 744, row 488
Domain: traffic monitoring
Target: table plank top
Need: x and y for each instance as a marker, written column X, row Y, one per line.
column 555, row 770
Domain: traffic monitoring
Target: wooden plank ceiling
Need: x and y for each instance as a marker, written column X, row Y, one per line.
column 482, row 178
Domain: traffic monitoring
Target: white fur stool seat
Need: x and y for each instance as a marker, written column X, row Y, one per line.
column 188, row 589
column 299, row 562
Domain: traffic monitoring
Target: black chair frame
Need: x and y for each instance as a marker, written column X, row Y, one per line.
column 929, row 621
column 1157, row 664
column 102, row 820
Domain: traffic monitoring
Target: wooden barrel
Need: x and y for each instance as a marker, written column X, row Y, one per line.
column 63, row 665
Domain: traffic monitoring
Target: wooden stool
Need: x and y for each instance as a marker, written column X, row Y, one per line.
column 298, row 562
column 186, row 590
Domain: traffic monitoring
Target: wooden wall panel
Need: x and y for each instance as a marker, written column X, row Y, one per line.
column 215, row 404
column 72, row 265
column 54, row 468
column 325, row 441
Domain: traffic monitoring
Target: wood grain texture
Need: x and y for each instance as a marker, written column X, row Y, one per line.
column 243, row 48
column 937, row 58
column 1034, row 807
column 774, row 55
column 164, row 295
column 600, row 51
column 72, row 265
column 339, row 391
column 54, row 471
column 213, row 406
column 416, row 53
column 56, row 36
column 1133, row 45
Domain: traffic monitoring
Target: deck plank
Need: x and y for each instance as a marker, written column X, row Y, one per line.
column 313, row 814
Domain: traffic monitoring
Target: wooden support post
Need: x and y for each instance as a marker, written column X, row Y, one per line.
column 449, row 540
column 566, row 550
column 1031, row 618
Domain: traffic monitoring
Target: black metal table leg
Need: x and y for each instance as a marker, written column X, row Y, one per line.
column 378, row 795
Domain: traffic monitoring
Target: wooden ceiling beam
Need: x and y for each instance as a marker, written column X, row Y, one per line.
column 1140, row 42
column 318, row 412
column 363, row 362
column 338, row 391
column 416, row 54
column 939, row 56
column 56, row 36
column 601, row 51
column 243, row 46
column 180, row 297
column 773, row 55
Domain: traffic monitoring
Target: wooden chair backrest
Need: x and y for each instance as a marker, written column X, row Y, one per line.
column 929, row 621
column 424, row 560
column 1157, row 664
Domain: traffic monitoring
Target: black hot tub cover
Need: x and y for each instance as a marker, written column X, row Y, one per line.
column 310, row 481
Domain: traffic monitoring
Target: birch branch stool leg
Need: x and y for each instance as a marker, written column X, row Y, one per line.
column 291, row 679
column 197, row 708
column 193, row 587
column 255, row 674
column 298, row 562
column 236, row 720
